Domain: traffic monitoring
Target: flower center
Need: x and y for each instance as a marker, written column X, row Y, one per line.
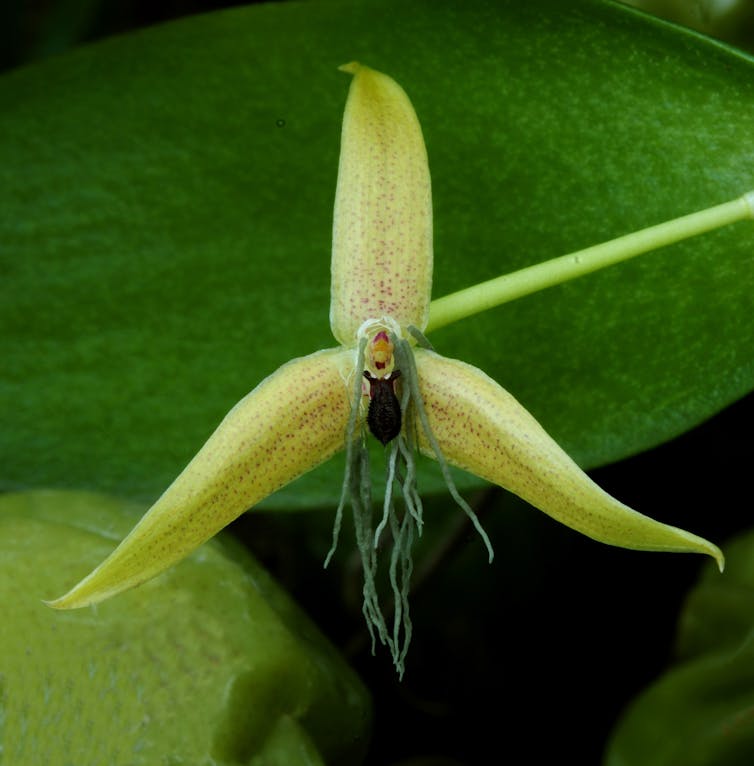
column 381, row 354
column 384, row 357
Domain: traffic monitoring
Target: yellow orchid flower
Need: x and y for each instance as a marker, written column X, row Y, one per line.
column 384, row 378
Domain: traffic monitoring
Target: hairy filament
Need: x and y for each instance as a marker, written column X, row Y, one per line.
column 361, row 503
column 401, row 568
column 405, row 362
column 420, row 338
column 352, row 439
column 386, row 506
column 408, row 447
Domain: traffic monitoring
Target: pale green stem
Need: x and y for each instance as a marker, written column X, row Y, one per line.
column 517, row 284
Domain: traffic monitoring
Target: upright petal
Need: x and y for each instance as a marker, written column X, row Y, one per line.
column 382, row 228
column 292, row 421
column 481, row 428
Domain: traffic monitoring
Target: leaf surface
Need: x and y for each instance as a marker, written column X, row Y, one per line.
column 699, row 712
column 166, row 219
column 209, row 663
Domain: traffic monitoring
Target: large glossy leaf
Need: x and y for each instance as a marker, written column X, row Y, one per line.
column 166, row 208
column 699, row 712
column 211, row 663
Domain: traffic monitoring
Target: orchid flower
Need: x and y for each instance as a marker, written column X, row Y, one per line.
column 382, row 378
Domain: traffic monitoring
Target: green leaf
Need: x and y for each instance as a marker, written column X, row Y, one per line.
column 209, row 663
column 167, row 204
column 699, row 712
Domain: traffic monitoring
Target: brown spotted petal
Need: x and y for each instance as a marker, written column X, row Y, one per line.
column 481, row 428
column 292, row 421
column 382, row 226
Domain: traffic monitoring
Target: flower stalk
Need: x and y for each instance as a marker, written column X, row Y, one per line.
column 517, row 284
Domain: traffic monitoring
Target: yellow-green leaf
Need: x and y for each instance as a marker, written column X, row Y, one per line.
column 210, row 663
